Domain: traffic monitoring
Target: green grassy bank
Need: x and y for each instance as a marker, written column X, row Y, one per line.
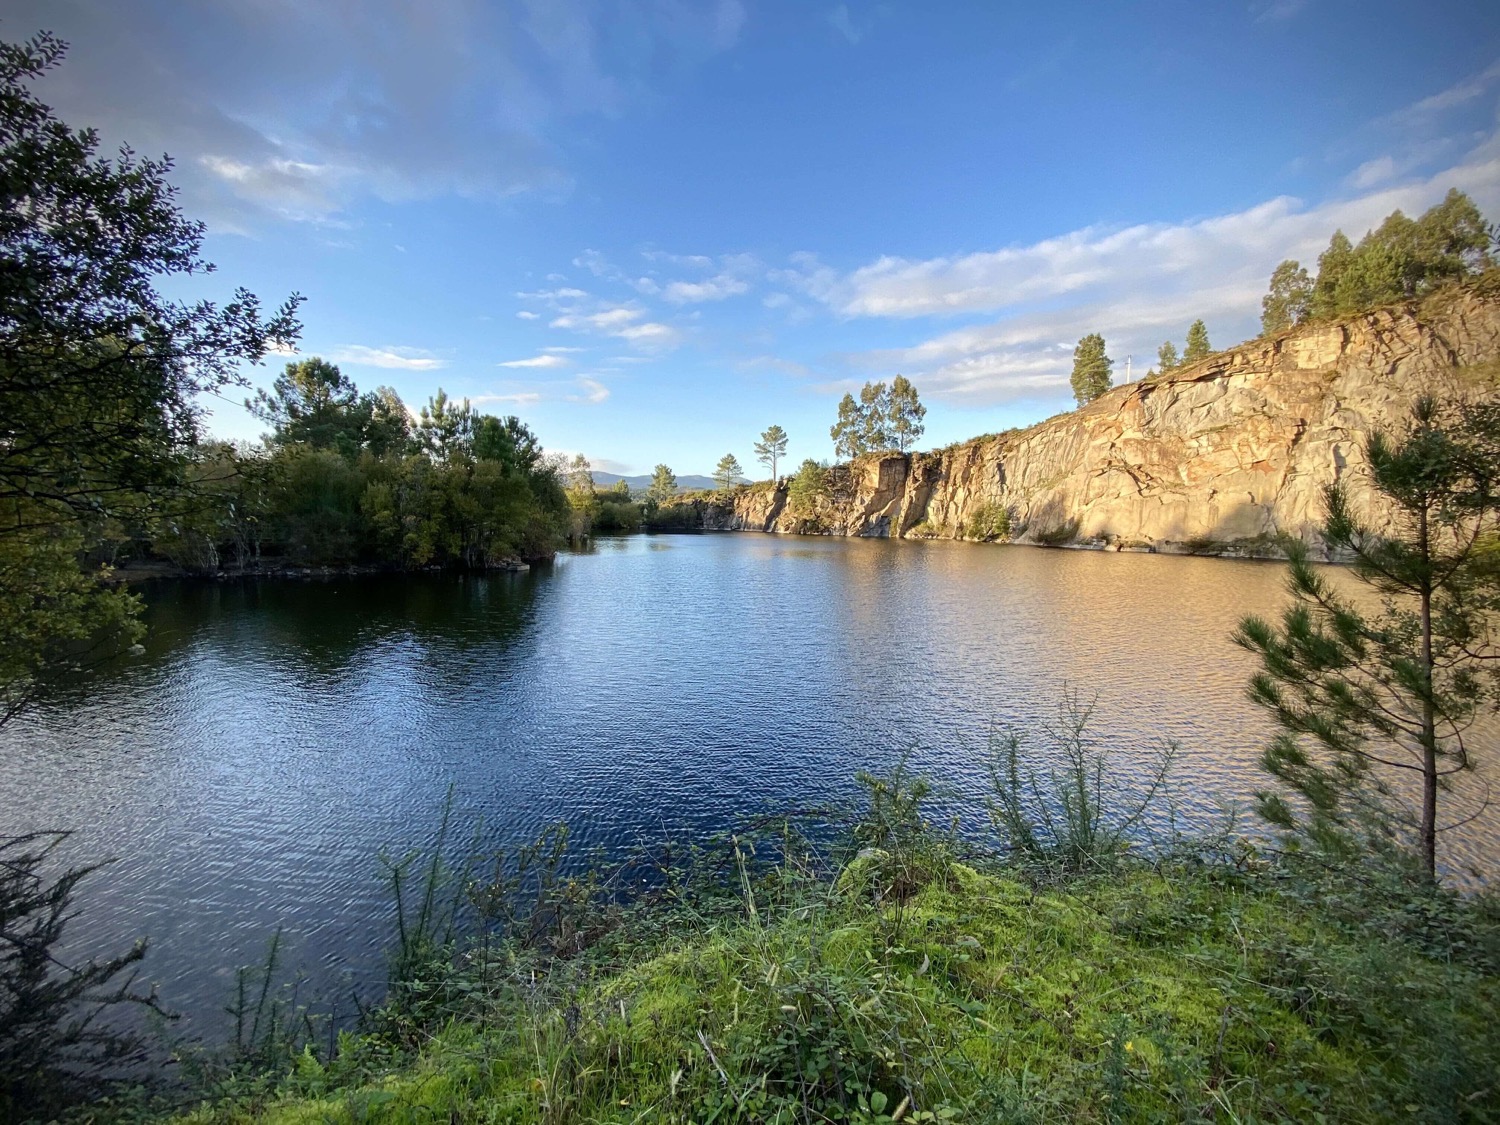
column 914, row 987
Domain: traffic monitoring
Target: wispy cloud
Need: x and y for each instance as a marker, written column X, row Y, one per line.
column 1137, row 285
column 546, row 360
column 1461, row 92
column 527, row 314
column 294, row 112
column 403, row 359
column 623, row 322
column 1275, row 11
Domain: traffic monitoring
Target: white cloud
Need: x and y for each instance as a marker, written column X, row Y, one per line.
column 295, row 111
column 404, row 359
column 624, row 322
column 1474, row 86
column 714, row 289
column 1137, row 285
column 519, row 398
column 561, row 350
column 593, row 391
column 536, row 361
column 1273, row 11
column 527, row 314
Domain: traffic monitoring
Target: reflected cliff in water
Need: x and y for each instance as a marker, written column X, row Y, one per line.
column 277, row 735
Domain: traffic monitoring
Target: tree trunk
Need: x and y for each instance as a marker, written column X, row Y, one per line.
column 1429, row 718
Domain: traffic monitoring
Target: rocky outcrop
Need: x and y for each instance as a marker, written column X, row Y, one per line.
column 1225, row 455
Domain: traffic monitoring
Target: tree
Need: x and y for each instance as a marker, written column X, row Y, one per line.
column 1166, row 356
column 1452, row 240
column 1331, row 266
column 771, row 448
column 1090, row 369
column 99, row 372
column 727, row 472
column 1288, row 300
column 445, row 429
column 905, row 413
column 1378, row 697
column 1197, row 343
column 313, row 403
column 808, row 487
column 663, row 485
column 874, row 418
column 847, row 432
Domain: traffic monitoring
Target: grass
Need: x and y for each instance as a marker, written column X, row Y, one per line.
column 919, row 977
column 1158, row 995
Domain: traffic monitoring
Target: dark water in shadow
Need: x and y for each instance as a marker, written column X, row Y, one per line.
column 277, row 735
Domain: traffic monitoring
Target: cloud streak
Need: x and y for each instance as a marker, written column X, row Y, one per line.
column 401, row 359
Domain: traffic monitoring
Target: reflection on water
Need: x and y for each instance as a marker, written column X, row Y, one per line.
column 278, row 735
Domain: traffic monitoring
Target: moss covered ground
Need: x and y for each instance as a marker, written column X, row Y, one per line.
column 1182, row 992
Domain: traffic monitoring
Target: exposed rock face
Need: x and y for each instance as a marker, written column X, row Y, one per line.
column 1224, row 455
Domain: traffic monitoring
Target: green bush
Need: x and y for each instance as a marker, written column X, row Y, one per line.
column 991, row 521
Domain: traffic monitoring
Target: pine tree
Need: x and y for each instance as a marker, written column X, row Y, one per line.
column 727, row 472
column 771, row 448
column 905, row 414
column 1090, row 369
column 1166, row 356
column 1197, row 343
column 1331, row 266
column 663, row 485
column 1287, row 301
column 1364, row 700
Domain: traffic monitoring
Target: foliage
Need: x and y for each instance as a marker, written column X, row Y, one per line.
column 727, row 473
column 904, row 413
column 1198, row 346
column 1391, row 696
column 1171, row 992
column 883, row 418
column 99, row 373
column 663, row 485
column 55, row 1045
column 1090, row 369
column 1289, row 300
column 771, row 448
column 808, row 487
column 1402, row 258
column 312, row 403
column 989, row 521
column 1081, row 818
column 1166, row 356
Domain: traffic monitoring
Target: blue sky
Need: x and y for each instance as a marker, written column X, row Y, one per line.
column 652, row 228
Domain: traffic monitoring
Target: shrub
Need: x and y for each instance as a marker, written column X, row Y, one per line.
column 991, row 521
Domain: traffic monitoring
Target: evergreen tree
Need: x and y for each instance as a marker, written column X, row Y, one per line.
column 1363, row 700
column 663, row 485
column 445, row 429
column 771, row 448
column 1288, row 300
column 727, row 472
column 905, row 413
column 1166, row 356
column 1090, row 369
column 1331, row 266
column 807, row 488
column 1197, row 343
column 313, row 403
column 1452, row 240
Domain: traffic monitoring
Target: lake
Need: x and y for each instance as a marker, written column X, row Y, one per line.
column 276, row 735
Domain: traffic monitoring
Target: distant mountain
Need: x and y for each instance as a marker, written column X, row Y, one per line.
column 643, row 482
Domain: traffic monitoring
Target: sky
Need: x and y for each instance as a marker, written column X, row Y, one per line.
column 652, row 228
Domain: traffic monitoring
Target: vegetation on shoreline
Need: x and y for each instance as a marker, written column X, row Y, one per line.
column 914, row 975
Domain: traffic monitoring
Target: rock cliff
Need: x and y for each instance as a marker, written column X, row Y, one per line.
column 1224, row 455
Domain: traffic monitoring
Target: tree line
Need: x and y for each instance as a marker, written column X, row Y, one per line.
column 1401, row 259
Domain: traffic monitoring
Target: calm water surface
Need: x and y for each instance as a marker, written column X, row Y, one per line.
column 277, row 735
